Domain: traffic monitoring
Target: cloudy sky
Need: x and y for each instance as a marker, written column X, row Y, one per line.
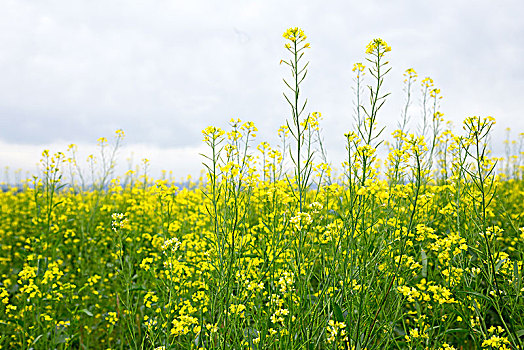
column 73, row 71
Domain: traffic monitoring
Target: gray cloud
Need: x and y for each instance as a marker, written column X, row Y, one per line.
column 162, row 70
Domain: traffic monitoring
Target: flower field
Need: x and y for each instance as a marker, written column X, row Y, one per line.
column 272, row 248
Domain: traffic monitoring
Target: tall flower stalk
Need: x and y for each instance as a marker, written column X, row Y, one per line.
column 298, row 128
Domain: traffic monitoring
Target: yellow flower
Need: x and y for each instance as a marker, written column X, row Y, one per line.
column 427, row 82
column 378, row 45
column 112, row 317
column 212, row 133
column 294, row 33
column 410, row 72
column 297, row 36
column 145, row 264
column 358, row 67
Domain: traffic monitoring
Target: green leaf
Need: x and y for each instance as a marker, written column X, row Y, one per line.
column 37, row 338
column 516, row 277
column 62, row 338
column 482, row 296
column 338, row 312
column 87, row 312
column 455, row 330
column 499, row 264
column 424, row 258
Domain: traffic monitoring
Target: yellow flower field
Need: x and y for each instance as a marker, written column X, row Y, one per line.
column 272, row 248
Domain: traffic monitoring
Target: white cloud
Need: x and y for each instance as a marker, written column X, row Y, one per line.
column 163, row 70
column 178, row 163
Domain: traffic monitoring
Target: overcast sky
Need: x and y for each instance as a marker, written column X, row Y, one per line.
column 73, row 71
